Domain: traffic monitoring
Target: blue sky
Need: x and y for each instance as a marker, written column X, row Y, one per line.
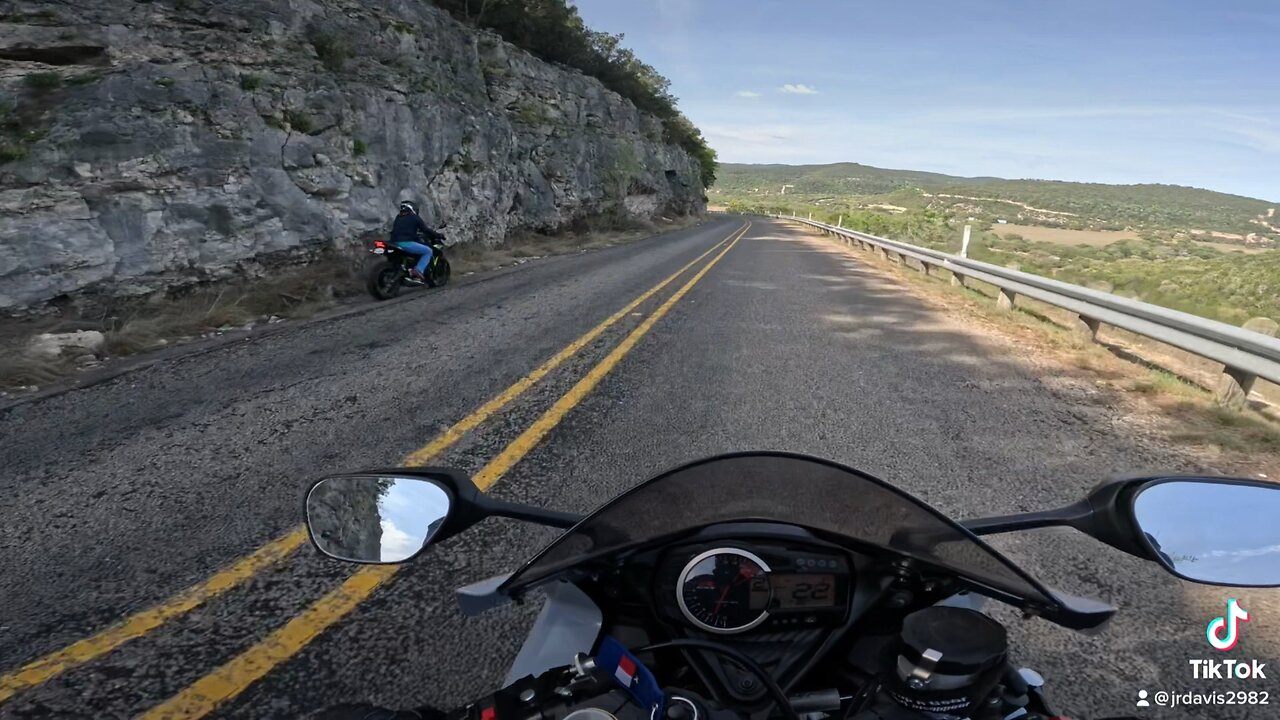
column 1118, row 91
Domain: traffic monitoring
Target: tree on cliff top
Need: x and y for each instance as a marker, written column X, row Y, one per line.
column 553, row 30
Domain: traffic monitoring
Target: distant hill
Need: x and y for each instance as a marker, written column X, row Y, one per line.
column 1049, row 202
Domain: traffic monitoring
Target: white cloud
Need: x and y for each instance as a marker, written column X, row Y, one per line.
column 396, row 543
column 747, row 94
column 799, row 89
column 749, row 134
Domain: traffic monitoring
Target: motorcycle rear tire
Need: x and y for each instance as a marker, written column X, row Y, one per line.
column 384, row 281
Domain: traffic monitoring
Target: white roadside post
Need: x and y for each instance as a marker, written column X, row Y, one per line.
column 957, row 279
column 840, row 222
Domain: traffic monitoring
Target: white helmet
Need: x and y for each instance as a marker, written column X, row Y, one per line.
column 406, row 205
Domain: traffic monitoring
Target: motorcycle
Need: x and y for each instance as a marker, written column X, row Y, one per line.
column 781, row 585
column 384, row 280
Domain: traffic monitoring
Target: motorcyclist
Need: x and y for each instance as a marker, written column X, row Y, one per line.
column 404, row 235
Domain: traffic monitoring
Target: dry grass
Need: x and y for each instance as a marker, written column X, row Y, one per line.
column 1064, row 236
column 17, row 370
column 1098, row 238
column 1182, row 411
column 1229, row 248
column 140, row 325
column 295, row 293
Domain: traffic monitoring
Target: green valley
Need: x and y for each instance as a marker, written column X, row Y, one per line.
column 1194, row 250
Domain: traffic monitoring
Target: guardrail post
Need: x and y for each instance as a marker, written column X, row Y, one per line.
column 1235, row 384
column 1005, row 299
column 1087, row 327
column 957, row 279
column 1233, row 388
column 926, row 268
column 884, row 254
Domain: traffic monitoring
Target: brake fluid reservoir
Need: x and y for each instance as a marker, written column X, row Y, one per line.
column 949, row 659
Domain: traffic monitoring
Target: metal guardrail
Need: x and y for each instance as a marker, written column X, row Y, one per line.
column 1245, row 355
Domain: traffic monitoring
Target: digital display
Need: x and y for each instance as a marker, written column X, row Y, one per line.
column 804, row 591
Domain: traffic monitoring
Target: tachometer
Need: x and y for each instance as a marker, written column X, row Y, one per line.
column 725, row 590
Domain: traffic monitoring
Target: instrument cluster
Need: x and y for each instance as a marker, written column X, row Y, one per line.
column 735, row 588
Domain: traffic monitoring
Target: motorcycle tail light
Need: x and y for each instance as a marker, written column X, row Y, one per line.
column 379, row 244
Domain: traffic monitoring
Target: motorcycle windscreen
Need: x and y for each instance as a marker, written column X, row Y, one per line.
column 782, row 488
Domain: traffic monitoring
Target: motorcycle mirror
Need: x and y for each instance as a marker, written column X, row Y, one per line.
column 1212, row 530
column 1220, row 531
column 376, row 518
column 389, row 516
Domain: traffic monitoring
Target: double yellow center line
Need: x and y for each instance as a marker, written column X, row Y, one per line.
column 233, row 677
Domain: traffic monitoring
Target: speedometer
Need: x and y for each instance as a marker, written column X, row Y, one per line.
column 725, row 590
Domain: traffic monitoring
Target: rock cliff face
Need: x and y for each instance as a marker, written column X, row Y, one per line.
column 144, row 144
column 346, row 519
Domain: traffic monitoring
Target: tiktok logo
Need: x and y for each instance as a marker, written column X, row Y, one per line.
column 1223, row 632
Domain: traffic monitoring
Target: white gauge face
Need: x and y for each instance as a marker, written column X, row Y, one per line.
column 725, row 590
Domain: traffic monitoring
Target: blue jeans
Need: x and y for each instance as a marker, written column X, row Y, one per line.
column 418, row 248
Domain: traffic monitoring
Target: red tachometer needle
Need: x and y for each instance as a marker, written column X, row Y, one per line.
column 724, row 594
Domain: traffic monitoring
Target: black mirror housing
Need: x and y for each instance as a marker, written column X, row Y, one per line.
column 467, row 505
column 1107, row 514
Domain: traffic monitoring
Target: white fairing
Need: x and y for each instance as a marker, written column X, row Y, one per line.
column 972, row 601
column 482, row 596
column 569, row 623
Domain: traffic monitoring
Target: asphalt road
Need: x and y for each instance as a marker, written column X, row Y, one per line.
column 122, row 495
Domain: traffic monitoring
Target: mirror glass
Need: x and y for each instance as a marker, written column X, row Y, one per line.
column 370, row 519
column 1222, row 533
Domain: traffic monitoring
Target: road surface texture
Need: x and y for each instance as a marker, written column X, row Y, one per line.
column 121, row 496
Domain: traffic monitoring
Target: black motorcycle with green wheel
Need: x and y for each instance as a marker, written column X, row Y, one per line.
column 385, row 280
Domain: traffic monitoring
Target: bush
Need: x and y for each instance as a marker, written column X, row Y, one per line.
column 250, row 82
column 165, row 82
column 12, row 153
column 530, row 113
column 298, row 121
column 359, row 147
column 85, row 79
column 42, row 81
column 331, row 50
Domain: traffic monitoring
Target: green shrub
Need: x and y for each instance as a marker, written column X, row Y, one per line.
column 42, row 81
column 425, row 84
column 298, row 120
column 530, row 113
column 11, row 153
column 250, row 82
column 85, row 79
column 331, row 50
column 165, row 82
column 358, row 147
